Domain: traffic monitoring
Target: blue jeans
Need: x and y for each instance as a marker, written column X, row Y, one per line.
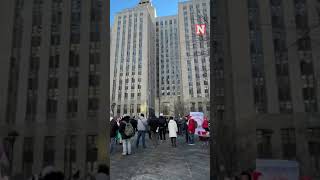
column 143, row 134
column 191, row 138
column 112, row 143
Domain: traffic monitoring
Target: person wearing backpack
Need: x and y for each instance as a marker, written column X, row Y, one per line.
column 127, row 132
column 142, row 128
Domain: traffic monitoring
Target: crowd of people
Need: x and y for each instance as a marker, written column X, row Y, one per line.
column 125, row 130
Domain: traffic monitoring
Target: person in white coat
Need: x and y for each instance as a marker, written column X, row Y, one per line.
column 173, row 129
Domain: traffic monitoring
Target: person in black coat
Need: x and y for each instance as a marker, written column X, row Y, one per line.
column 154, row 125
column 185, row 124
column 148, row 128
column 134, row 123
column 162, row 127
column 113, row 133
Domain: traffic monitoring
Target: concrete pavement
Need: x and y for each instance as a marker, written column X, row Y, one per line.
column 162, row 163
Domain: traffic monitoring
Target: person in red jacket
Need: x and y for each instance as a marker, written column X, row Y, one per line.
column 191, row 130
column 205, row 124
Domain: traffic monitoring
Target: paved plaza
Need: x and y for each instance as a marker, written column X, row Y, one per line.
column 162, row 163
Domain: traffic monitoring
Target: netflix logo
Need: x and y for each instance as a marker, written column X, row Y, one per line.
column 200, row 29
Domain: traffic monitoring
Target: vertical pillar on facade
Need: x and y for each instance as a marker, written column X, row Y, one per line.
column 103, row 148
column 294, row 64
column 38, row 152
column 6, row 35
column 302, row 149
column 17, row 155
column 59, row 150
column 276, row 144
column 84, row 61
column 313, row 8
column 269, row 57
column 44, row 52
column 81, row 152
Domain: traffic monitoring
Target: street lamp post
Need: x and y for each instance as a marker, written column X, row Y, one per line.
column 11, row 139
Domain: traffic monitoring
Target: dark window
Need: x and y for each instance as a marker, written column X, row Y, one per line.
column 138, row 108
column 264, row 143
column 118, row 109
column 93, row 104
column 54, row 61
column 94, row 80
column 53, row 83
column 314, row 151
column 51, row 106
column 92, row 149
column 73, row 82
column 49, row 151
column 28, row 146
column 72, row 106
column 288, row 138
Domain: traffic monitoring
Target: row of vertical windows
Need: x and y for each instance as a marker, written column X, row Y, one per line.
column 201, row 107
column 15, row 61
column 171, row 58
column 94, row 58
column 281, row 57
column 34, row 60
column 129, row 110
column 306, row 65
column 74, row 59
column 54, row 59
column 257, row 59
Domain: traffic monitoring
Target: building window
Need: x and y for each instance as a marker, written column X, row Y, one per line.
column 125, row 109
column 92, row 153
column 72, row 108
column 200, row 107
column 264, row 143
column 28, row 146
column 288, row 138
column 70, row 153
column 131, row 108
column 314, row 151
column 138, row 108
column 93, row 104
column 118, row 109
column 51, row 107
column 94, row 80
column 314, row 132
column 49, row 151
column 193, row 107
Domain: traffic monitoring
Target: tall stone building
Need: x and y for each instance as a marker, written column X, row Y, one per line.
column 172, row 76
column 168, row 66
column 54, row 84
column 132, row 61
column 265, row 61
column 195, row 55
